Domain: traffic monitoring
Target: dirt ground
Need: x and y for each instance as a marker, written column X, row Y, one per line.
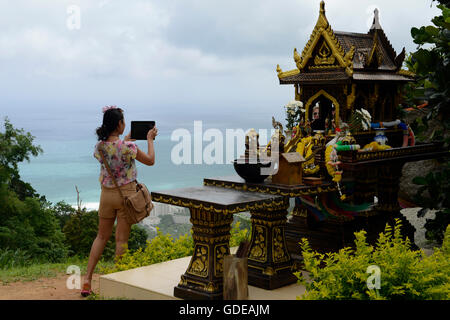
column 44, row 289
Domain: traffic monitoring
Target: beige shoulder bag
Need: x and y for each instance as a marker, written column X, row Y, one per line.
column 138, row 205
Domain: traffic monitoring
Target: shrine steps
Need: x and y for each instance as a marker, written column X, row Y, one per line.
column 157, row 281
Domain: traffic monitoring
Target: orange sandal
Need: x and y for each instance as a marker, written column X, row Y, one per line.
column 86, row 291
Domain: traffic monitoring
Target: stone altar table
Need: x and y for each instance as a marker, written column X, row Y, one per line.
column 212, row 210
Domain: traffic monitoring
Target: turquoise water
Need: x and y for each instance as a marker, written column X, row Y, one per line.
column 68, row 141
column 56, row 173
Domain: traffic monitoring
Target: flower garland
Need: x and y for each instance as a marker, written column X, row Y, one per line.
column 332, row 160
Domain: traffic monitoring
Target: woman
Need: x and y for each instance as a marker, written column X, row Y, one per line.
column 120, row 156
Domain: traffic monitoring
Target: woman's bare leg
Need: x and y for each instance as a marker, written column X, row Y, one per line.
column 122, row 234
column 105, row 226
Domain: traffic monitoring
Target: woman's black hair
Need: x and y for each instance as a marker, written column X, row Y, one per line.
column 111, row 119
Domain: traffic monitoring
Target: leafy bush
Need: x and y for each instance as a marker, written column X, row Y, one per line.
column 81, row 230
column 164, row 247
column 239, row 234
column 161, row 248
column 30, row 225
column 405, row 274
column 14, row 258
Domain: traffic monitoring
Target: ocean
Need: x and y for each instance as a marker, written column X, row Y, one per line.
column 67, row 137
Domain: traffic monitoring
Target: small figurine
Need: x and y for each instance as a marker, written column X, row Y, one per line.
column 308, row 129
column 316, row 112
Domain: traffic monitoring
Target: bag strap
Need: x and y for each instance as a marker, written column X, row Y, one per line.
column 109, row 171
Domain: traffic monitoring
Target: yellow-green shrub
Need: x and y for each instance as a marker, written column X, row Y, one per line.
column 165, row 247
column 405, row 273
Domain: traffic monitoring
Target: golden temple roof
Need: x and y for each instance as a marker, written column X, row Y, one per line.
column 335, row 55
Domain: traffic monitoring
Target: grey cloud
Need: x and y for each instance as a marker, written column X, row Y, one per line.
column 203, row 52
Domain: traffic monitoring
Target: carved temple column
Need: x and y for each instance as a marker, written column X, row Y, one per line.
column 269, row 262
column 203, row 278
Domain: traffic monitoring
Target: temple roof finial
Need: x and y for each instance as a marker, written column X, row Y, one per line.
column 323, row 22
column 376, row 20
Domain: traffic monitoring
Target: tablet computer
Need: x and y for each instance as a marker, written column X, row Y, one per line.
column 139, row 129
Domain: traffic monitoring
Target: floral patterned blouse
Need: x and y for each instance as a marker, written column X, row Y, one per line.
column 120, row 156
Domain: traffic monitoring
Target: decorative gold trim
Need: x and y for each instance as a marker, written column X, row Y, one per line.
column 288, row 73
column 297, row 92
column 394, row 152
column 199, row 264
column 323, row 67
column 220, row 251
column 279, row 70
column 210, row 240
column 279, row 252
column 268, row 223
column 258, row 250
column 323, row 29
column 324, row 56
column 292, row 143
column 183, row 281
column 297, row 58
column 348, row 59
column 351, row 97
column 271, row 190
column 327, row 95
column 272, row 205
column 374, row 54
column 269, row 271
column 300, row 211
column 207, row 287
column 212, row 287
column 374, row 96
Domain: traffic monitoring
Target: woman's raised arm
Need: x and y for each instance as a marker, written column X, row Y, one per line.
column 149, row 157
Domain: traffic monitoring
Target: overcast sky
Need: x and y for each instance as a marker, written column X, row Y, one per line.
column 190, row 55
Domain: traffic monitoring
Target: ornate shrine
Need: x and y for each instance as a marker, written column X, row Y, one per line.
column 341, row 71
column 351, row 149
column 350, row 85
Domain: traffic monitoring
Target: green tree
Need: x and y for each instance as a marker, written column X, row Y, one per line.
column 63, row 211
column 27, row 223
column 431, row 63
column 80, row 231
column 138, row 238
column 16, row 146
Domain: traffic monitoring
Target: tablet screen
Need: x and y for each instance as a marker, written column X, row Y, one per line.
column 139, row 129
